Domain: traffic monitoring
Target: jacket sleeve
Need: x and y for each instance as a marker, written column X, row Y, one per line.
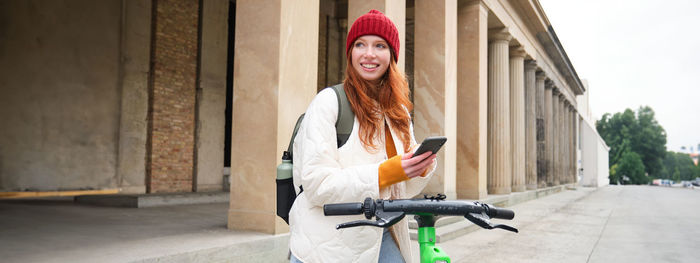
column 316, row 159
column 415, row 185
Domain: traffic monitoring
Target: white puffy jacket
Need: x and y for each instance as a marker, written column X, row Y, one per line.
column 340, row 175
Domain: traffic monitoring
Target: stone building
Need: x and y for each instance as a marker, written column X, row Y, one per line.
column 163, row 95
column 593, row 169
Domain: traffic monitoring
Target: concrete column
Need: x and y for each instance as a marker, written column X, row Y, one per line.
column 394, row 9
column 472, row 99
column 548, row 124
column 574, row 142
column 556, row 136
column 517, row 118
column 540, row 113
column 569, row 145
column 562, row 138
column 135, row 54
column 578, row 146
column 500, row 156
column 211, row 97
column 565, row 141
column 530, row 126
column 572, row 146
column 435, row 99
column 274, row 81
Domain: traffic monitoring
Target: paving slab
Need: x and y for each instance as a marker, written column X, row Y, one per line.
column 609, row 224
column 59, row 230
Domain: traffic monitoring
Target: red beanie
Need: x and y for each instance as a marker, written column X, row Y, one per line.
column 375, row 23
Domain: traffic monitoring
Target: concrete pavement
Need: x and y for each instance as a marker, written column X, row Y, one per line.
column 609, row 224
column 59, row 230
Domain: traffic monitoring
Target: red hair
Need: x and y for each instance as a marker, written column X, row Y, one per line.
column 392, row 95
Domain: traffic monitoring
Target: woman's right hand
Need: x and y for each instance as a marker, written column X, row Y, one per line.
column 414, row 166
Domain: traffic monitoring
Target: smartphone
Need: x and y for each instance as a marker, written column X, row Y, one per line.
column 432, row 144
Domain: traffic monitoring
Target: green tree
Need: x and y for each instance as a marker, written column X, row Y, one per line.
column 678, row 166
column 676, row 177
column 614, row 177
column 687, row 167
column 670, row 162
column 639, row 133
column 630, row 169
column 649, row 141
column 697, row 166
column 615, row 130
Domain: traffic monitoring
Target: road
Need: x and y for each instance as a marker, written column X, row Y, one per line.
column 608, row 224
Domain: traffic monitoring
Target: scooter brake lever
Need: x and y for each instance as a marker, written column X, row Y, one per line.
column 506, row 227
column 384, row 219
column 482, row 220
column 357, row 223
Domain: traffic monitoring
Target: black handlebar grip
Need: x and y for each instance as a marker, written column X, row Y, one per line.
column 342, row 209
column 501, row 213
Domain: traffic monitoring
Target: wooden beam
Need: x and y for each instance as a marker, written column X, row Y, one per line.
column 11, row 195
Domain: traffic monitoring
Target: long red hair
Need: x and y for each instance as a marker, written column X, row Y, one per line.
column 392, row 95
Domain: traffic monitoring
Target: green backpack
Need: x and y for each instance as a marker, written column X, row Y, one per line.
column 343, row 127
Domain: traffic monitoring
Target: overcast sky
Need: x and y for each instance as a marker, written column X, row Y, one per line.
column 634, row 53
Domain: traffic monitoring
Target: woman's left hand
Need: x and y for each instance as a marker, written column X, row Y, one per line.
column 414, row 166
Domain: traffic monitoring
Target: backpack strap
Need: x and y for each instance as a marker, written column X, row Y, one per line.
column 294, row 135
column 343, row 125
column 346, row 118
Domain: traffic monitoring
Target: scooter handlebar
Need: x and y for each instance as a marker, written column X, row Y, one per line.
column 495, row 212
column 342, row 209
column 388, row 212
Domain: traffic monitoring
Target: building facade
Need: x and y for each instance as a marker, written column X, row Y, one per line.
column 593, row 169
column 162, row 95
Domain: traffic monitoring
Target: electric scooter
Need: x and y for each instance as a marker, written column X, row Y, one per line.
column 426, row 210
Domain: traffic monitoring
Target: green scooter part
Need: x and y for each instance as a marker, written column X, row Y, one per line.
column 429, row 252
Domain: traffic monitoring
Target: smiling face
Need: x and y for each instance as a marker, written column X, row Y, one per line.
column 370, row 57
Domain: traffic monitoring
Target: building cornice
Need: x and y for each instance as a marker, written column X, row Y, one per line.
column 548, row 38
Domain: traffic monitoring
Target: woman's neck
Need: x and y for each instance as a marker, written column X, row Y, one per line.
column 373, row 89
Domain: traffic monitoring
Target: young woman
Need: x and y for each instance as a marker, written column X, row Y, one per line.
column 376, row 161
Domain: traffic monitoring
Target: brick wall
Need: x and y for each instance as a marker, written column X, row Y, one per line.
column 172, row 96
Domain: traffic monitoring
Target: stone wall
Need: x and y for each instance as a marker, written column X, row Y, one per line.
column 60, row 102
column 594, row 157
column 92, row 99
